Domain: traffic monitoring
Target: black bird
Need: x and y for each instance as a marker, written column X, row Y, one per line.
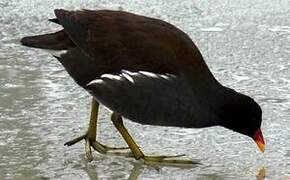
column 148, row 71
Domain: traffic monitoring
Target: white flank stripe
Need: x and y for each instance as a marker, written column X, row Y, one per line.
column 149, row 74
column 165, row 76
column 96, row 81
column 170, row 75
column 129, row 73
column 111, row 76
column 128, row 77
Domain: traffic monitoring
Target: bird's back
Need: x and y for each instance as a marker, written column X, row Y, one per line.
column 104, row 41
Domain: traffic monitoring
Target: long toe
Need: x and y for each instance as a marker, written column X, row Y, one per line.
column 104, row 149
column 88, row 150
column 168, row 160
column 99, row 147
column 75, row 140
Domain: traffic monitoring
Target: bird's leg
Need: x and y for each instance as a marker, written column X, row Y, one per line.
column 137, row 153
column 90, row 137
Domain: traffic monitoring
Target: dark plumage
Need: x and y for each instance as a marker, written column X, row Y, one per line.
column 176, row 89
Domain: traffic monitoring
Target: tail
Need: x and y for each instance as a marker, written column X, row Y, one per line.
column 54, row 41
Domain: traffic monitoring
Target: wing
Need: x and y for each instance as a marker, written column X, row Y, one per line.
column 104, row 41
column 149, row 98
column 128, row 41
column 124, row 40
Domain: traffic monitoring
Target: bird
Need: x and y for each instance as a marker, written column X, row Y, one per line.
column 148, row 71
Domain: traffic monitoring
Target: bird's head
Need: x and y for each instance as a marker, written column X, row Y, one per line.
column 242, row 114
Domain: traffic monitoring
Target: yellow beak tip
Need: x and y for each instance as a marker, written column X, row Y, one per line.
column 262, row 147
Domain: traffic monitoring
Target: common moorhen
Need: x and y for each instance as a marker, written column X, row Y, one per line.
column 148, row 71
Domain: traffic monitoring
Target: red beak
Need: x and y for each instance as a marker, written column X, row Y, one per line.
column 258, row 138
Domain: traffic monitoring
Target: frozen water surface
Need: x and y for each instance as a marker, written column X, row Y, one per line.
column 245, row 43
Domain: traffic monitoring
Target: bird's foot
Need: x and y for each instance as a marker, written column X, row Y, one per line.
column 167, row 160
column 101, row 148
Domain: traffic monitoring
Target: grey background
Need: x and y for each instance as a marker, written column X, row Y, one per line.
column 246, row 45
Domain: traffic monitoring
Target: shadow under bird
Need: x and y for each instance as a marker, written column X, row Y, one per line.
column 148, row 71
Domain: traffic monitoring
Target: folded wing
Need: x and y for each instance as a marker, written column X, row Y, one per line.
column 148, row 98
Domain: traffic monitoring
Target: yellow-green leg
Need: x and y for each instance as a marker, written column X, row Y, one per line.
column 137, row 153
column 90, row 137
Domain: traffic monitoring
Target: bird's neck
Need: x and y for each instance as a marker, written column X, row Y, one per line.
column 195, row 70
